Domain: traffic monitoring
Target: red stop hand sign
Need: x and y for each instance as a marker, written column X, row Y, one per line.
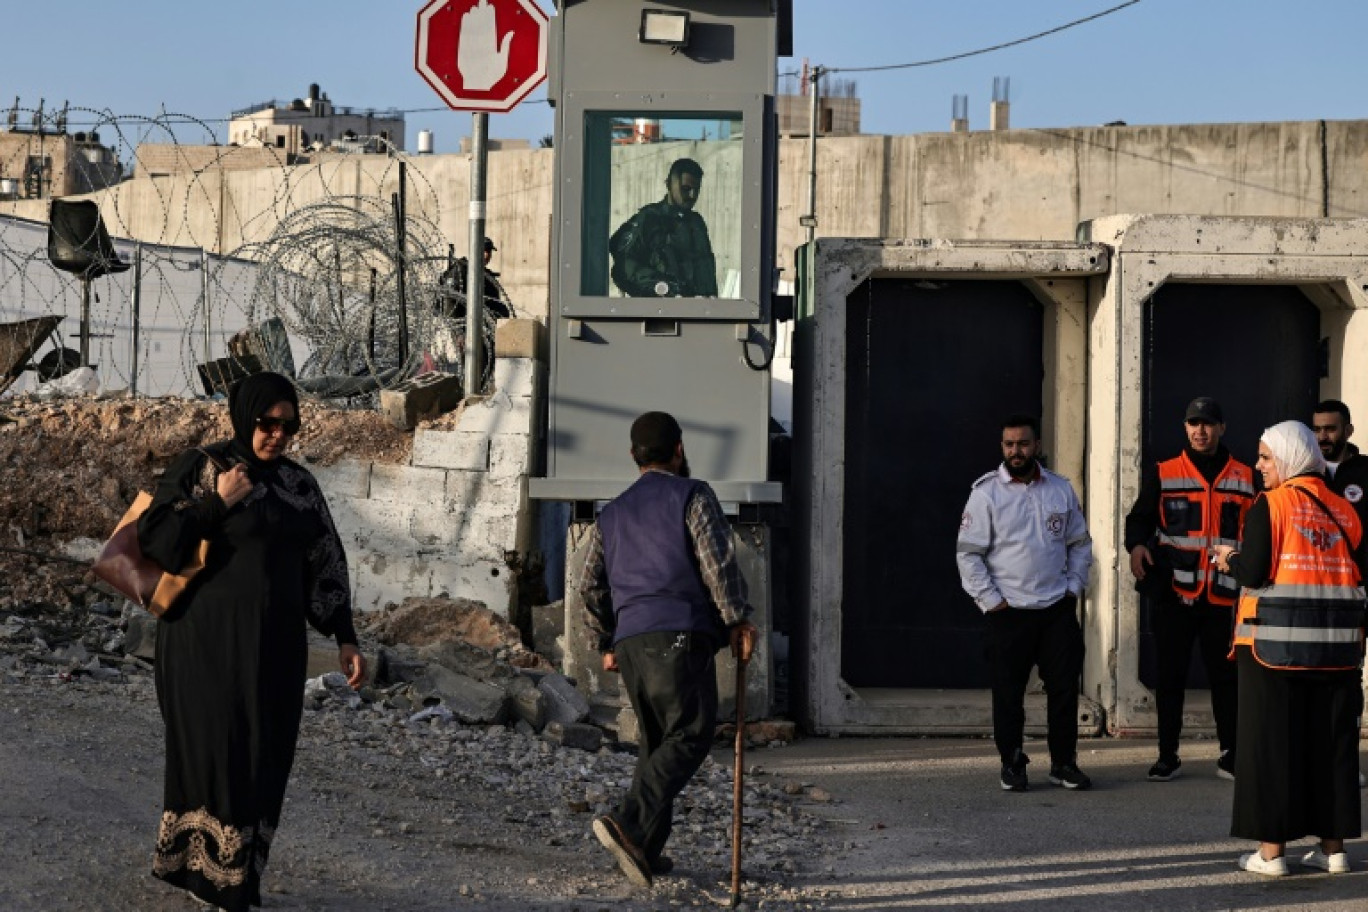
column 482, row 55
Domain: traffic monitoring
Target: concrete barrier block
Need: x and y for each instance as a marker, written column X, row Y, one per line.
column 366, row 524
column 466, row 535
column 347, row 477
column 520, row 339
column 519, row 377
column 497, row 414
column 451, row 449
column 407, row 484
column 510, row 455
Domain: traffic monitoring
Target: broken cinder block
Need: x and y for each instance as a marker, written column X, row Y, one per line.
column 424, row 396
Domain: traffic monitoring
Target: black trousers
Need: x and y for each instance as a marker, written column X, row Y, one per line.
column 1176, row 627
column 671, row 681
column 1051, row 640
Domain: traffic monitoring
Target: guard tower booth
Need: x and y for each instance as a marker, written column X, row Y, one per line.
column 653, row 307
column 908, row 354
column 1267, row 315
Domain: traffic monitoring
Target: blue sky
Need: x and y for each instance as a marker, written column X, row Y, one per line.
column 1158, row 61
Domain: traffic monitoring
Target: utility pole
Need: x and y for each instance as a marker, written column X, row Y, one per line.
column 809, row 220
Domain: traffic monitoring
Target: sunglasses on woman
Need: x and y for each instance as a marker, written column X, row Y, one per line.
column 269, row 425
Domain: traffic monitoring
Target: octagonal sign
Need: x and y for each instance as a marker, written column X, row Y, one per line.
column 482, row 55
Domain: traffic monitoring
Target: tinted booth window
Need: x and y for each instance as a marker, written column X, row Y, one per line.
column 662, row 205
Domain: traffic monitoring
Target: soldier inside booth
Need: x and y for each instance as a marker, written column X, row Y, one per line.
column 662, row 205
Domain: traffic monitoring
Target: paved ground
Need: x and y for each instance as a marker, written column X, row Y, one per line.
column 932, row 830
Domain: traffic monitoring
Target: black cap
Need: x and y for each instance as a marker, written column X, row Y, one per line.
column 656, row 431
column 489, row 245
column 1204, row 408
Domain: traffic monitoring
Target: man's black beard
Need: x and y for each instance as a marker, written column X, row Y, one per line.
column 683, row 468
column 1025, row 471
column 1337, row 453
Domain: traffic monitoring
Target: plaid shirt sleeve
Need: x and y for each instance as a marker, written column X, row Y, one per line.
column 716, row 552
column 593, row 587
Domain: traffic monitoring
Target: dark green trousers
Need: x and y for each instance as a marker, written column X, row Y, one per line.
column 671, row 682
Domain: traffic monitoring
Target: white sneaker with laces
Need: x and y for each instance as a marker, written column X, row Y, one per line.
column 1255, row 863
column 1336, row 863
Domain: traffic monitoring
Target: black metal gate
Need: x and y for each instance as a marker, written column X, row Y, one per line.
column 932, row 369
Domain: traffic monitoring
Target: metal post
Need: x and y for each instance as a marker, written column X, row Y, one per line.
column 401, row 240
column 204, row 294
column 85, row 321
column 137, row 315
column 474, row 356
column 809, row 220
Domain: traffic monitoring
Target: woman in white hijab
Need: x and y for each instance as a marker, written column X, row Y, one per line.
column 1299, row 644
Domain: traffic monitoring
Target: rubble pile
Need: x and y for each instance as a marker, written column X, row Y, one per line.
column 70, row 468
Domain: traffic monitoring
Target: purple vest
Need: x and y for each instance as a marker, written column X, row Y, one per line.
column 649, row 556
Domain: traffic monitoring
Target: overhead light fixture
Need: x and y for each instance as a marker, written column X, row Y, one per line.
column 668, row 27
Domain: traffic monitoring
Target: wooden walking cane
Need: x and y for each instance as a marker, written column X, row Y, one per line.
column 737, row 775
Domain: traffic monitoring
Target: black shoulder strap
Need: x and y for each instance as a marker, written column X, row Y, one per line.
column 1324, row 509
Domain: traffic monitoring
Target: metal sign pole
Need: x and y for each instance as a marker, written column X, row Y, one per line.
column 474, row 356
column 137, row 315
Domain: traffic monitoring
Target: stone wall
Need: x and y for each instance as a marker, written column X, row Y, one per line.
column 455, row 520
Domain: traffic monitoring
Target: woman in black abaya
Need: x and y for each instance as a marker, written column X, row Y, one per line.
column 231, row 652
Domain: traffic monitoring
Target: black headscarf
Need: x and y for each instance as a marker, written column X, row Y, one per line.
column 248, row 400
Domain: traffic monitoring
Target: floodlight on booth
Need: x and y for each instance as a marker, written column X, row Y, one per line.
column 668, row 27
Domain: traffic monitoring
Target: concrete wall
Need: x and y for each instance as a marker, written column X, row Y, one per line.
column 455, row 520
column 1022, row 184
column 1325, row 259
column 1094, row 357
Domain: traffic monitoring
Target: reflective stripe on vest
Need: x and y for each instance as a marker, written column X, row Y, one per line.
column 1184, row 492
column 1311, row 615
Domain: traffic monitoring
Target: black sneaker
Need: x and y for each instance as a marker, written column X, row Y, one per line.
column 661, row 866
column 1069, row 776
column 1225, row 766
column 1014, row 773
column 1166, row 770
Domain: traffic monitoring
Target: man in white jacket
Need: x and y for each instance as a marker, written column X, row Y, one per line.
column 1023, row 553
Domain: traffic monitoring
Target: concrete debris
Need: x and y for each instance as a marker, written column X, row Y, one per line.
column 574, row 734
column 433, row 621
column 564, row 703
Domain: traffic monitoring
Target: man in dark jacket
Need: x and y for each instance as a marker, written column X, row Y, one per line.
column 1346, row 469
column 664, row 592
column 663, row 251
column 1185, row 507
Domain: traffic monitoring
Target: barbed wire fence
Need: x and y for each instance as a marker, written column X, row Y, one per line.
column 318, row 286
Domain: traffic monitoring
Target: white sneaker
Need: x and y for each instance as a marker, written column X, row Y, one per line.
column 1255, row 863
column 1338, row 863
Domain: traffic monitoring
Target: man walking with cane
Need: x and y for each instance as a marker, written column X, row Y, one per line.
column 664, row 592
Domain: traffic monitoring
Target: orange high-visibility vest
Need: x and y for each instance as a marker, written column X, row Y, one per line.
column 1193, row 516
column 1311, row 614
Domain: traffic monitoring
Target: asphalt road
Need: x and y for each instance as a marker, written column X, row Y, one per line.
column 932, row 829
